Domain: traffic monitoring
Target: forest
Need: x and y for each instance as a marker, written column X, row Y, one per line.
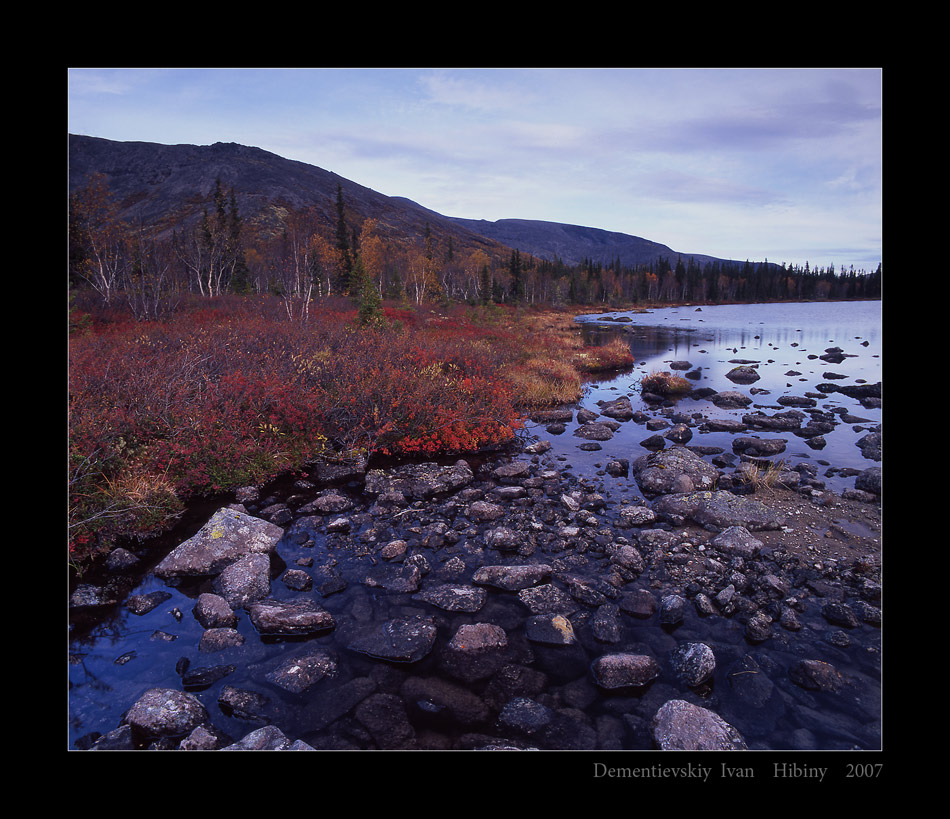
column 213, row 353
column 302, row 257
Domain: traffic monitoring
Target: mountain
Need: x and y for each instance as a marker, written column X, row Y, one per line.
column 162, row 186
column 573, row 244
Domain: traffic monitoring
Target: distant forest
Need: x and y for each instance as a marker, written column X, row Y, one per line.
column 300, row 257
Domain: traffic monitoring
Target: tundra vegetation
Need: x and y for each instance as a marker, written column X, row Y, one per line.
column 228, row 392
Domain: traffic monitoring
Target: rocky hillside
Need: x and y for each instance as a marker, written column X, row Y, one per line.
column 161, row 186
column 573, row 244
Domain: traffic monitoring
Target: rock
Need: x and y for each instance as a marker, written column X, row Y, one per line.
column 724, row 425
column 816, row 675
column 870, row 446
column 213, row 611
column 327, row 503
column 475, row 652
column 693, row 663
column 672, row 609
column 297, row 580
column 120, row 560
column 419, row 481
column 639, row 603
column 503, row 538
column 268, row 738
column 621, row 670
column 289, row 617
column 758, row 627
column 547, row 599
column 743, row 375
column 718, row 510
column 525, row 715
column 679, row 434
column 451, row 597
column 659, row 472
column 840, row 614
column 594, row 432
column 165, row 712
column 197, row 679
column 384, row 717
column 481, row 511
column 729, row 399
column 605, row 623
column 397, row 640
column 681, row 726
column 759, row 447
column 512, row 578
column 220, row 638
column 512, row 472
column 635, row 516
column 228, row 536
column 620, row 409
column 143, row 603
column 245, row 580
column 552, row 630
column 737, row 540
column 787, row 421
column 302, row 671
column 434, row 696
column 242, row 704
column 869, row 480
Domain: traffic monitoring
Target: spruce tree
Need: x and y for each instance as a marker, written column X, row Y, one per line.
column 343, row 242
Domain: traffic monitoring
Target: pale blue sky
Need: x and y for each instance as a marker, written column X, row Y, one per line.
column 784, row 164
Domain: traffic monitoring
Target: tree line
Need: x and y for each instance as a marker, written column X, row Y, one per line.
column 311, row 257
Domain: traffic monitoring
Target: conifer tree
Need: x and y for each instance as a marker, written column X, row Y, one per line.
column 343, row 241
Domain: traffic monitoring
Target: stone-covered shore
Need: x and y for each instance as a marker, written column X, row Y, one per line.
column 453, row 549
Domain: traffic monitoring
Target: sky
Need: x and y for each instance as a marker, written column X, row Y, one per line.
column 777, row 164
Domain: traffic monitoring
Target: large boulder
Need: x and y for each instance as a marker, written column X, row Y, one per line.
column 228, row 536
column 165, row 712
column 675, row 469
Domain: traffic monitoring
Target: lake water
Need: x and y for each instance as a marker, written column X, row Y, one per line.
column 785, row 342
column 115, row 655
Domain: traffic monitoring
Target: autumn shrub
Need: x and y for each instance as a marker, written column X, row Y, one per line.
column 665, row 383
column 229, row 392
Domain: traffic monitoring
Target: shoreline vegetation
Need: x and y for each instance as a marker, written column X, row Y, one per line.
column 227, row 392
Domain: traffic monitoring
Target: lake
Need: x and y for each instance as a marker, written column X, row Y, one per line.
column 785, row 342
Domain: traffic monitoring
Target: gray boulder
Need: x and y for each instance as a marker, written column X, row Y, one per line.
column 165, row 712
column 682, row 726
column 228, row 536
column 244, row 581
column 675, row 469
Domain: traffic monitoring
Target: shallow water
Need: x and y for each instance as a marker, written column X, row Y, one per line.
column 116, row 655
column 785, row 342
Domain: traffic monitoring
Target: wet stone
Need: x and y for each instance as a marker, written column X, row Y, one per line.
column 302, row 671
column 401, row 641
column 289, row 617
column 452, row 597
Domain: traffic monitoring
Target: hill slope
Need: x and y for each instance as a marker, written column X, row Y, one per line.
column 160, row 186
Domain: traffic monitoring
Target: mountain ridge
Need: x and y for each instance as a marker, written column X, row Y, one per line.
column 162, row 186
